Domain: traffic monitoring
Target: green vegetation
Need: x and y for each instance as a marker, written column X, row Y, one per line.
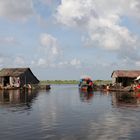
column 59, row 82
column 98, row 82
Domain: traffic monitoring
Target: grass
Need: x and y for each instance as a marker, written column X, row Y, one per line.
column 97, row 82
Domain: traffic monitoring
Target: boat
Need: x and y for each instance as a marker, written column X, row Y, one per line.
column 48, row 87
column 86, row 84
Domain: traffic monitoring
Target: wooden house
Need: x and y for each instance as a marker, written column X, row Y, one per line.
column 17, row 77
column 124, row 77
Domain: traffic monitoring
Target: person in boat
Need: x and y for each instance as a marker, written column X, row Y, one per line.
column 138, row 87
column 86, row 84
column 90, row 85
column 81, row 80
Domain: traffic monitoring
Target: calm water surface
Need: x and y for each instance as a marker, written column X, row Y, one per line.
column 64, row 113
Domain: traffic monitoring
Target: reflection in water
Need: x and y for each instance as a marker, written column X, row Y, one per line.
column 126, row 99
column 86, row 96
column 60, row 114
column 17, row 97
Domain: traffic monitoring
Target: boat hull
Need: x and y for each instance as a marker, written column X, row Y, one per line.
column 86, row 88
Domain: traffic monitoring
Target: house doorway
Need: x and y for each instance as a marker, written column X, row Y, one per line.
column 6, row 80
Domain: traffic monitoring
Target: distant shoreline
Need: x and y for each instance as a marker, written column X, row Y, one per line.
column 98, row 82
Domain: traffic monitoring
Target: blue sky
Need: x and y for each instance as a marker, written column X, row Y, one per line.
column 65, row 39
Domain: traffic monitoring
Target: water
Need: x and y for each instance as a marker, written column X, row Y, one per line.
column 64, row 113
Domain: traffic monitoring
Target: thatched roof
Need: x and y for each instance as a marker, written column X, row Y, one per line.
column 12, row 71
column 126, row 73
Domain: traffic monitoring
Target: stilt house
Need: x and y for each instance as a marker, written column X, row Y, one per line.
column 17, row 77
column 124, row 77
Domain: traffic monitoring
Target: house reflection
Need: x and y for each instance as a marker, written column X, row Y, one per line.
column 126, row 99
column 86, row 96
column 21, row 97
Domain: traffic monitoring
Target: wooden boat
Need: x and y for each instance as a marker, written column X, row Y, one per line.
column 86, row 84
column 86, row 88
column 48, row 87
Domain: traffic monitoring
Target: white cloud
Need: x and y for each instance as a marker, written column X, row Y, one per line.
column 51, row 54
column 41, row 61
column 19, row 61
column 48, row 40
column 4, row 60
column 12, row 61
column 72, row 12
column 114, row 37
column 50, row 46
column 102, row 21
column 69, row 63
column 8, row 41
column 75, row 62
column 111, row 122
column 50, row 51
column 44, row 63
column 138, row 63
column 16, row 9
column 63, row 63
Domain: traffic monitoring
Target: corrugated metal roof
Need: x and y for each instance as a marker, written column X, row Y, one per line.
column 126, row 73
column 12, row 71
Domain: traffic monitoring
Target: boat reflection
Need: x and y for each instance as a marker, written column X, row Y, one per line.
column 86, row 96
column 126, row 99
column 17, row 97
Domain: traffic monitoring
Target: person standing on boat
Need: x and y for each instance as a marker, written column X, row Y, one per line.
column 91, row 83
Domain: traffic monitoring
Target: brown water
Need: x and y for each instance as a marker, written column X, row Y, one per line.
column 64, row 113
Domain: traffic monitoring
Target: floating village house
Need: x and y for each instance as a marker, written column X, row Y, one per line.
column 124, row 77
column 17, row 77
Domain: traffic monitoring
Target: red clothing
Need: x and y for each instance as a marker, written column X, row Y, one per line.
column 138, row 86
column 90, row 83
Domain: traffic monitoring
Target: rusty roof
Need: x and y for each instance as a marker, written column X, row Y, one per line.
column 13, row 71
column 126, row 73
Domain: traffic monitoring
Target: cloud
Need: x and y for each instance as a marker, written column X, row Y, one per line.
column 50, row 46
column 19, row 61
column 75, row 62
column 3, row 58
column 41, row 62
column 8, row 41
column 50, row 51
column 16, row 9
column 75, row 12
column 48, row 40
column 103, row 22
column 70, row 63
column 137, row 63
column 13, row 61
column 52, row 54
column 109, row 124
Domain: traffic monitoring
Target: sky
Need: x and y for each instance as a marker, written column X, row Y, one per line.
column 66, row 39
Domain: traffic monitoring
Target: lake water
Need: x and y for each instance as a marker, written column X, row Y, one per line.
column 64, row 113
